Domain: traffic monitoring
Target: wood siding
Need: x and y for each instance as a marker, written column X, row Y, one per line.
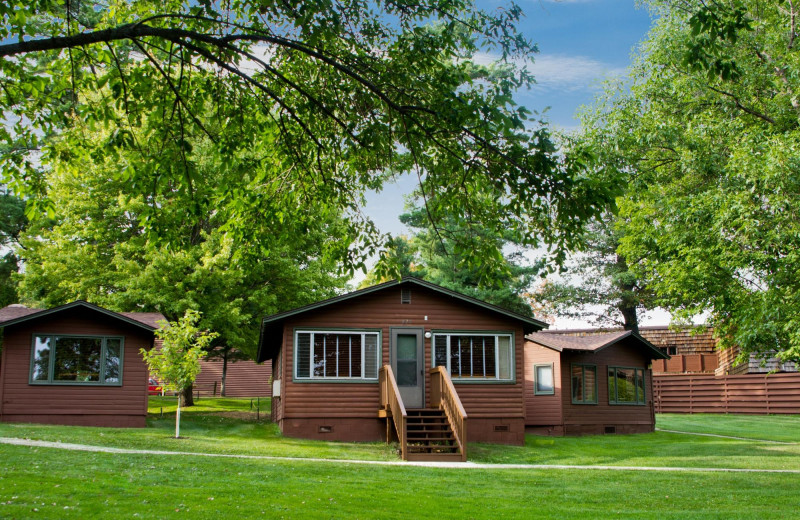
column 543, row 410
column 244, row 378
column 306, row 405
column 597, row 418
column 124, row 405
column 748, row 394
column 686, row 363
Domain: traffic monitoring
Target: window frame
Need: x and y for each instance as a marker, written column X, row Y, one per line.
column 324, row 379
column 476, row 380
column 615, row 400
column 583, row 384
column 53, row 354
column 536, row 390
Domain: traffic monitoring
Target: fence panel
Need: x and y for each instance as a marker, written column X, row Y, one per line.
column 706, row 393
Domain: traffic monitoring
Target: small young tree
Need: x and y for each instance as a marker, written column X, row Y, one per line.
column 177, row 362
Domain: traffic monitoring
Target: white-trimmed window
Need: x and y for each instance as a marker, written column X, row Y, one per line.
column 475, row 356
column 626, row 385
column 543, row 383
column 81, row 360
column 336, row 354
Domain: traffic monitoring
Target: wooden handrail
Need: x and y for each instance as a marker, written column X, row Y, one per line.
column 445, row 397
column 391, row 400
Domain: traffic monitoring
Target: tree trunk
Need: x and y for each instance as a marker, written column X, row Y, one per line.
column 224, row 371
column 629, row 302
column 631, row 319
column 188, row 397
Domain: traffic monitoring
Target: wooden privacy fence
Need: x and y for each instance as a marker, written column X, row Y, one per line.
column 686, row 363
column 706, row 393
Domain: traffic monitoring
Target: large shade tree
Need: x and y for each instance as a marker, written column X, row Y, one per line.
column 170, row 251
column 335, row 96
column 706, row 141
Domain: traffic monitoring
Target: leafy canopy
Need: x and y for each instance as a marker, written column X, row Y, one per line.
column 439, row 253
column 170, row 252
column 707, row 144
column 325, row 99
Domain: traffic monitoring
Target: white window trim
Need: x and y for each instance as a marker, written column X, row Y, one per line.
column 349, row 378
column 496, row 335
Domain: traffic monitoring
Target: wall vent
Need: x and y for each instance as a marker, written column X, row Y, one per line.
column 405, row 295
column 610, row 429
column 501, row 428
column 325, row 429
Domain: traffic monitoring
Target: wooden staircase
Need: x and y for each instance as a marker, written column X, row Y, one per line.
column 438, row 433
column 429, row 436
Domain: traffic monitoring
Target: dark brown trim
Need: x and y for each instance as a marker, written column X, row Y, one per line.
column 3, row 363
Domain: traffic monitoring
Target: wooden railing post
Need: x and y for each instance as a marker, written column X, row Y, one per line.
column 391, row 401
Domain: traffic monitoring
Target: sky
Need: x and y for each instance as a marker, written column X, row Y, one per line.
column 581, row 43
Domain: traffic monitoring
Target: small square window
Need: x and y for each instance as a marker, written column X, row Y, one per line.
column 543, row 383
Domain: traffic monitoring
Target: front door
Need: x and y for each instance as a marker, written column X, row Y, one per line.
column 408, row 365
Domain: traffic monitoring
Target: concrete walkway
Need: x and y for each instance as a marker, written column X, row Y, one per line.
column 401, row 463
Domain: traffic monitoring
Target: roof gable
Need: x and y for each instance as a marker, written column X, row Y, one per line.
column 593, row 342
column 273, row 325
column 14, row 314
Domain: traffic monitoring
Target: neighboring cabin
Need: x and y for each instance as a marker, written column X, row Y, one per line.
column 244, row 378
column 77, row 364
column 589, row 384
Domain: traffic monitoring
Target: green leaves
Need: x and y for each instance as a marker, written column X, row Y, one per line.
column 176, row 362
column 705, row 142
column 323, row 99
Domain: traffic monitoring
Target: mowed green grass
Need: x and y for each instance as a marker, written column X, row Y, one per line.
column 55, row 483
column 213, row 425
column 783, row 428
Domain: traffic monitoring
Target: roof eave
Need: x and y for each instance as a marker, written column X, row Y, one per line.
column 78, row 303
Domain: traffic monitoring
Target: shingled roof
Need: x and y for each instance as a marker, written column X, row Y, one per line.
column 591, row 343
column 17, row 313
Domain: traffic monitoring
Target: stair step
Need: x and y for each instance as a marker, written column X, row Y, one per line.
column 434, row 457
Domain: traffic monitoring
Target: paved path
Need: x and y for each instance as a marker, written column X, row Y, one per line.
column 458, row 465
column 725, row 436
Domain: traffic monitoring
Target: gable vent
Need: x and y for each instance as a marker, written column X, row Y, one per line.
column 405, row 295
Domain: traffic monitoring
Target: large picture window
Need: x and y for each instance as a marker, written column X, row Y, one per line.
column 475, row 357
column 584, row 384
column 87, row 360
column 626, row 385
column 336, row 355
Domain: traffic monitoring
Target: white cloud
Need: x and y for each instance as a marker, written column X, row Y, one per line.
column 563, row 72
column 554, row 72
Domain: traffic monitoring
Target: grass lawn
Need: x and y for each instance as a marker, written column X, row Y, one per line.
column 213, row 425
column 52, row 483
column 785, row 428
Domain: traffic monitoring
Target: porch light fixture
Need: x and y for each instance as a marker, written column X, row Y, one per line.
column 428, row 335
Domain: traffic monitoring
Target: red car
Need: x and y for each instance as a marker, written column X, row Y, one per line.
column 154, row 388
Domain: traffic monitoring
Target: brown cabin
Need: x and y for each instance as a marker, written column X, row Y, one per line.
column 404, row 358
column 590, row 384
column 77, row 364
